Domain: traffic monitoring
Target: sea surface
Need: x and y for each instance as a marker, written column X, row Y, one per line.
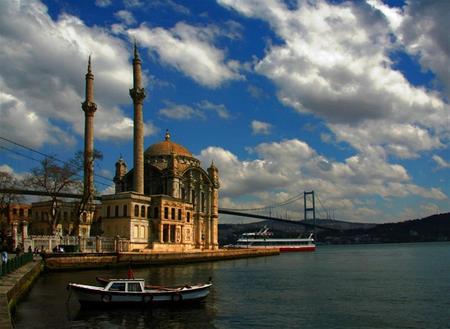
column 354, row 286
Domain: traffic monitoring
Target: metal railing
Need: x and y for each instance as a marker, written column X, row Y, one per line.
column 48, row 243
column 14, row 263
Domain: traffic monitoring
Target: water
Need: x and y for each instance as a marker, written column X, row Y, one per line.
column 364, row 286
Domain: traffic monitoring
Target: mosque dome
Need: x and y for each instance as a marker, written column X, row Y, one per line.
column 167, row 147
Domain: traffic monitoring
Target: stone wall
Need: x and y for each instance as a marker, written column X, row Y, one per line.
column 70, row 262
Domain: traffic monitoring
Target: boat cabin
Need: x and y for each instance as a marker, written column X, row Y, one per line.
column 125, row 285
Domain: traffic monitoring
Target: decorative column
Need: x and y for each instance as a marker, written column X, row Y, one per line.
column 137, row 93
column 15, row 237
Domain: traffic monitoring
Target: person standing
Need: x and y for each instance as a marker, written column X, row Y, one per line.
column 4, row 257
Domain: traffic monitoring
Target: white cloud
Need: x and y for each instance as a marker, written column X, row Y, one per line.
column 170, row 5
column 333, row 62
column 179, row 112
column 54, row 53
column 102, row 3
column 186, row 112
column 190, row 50
column 7, row 169
column 403, row 140
column 132, row 3
column 287, row 168
column 109, row 190
column 27, row 127
column 260, row 127
column 17, row 176
column 125, row 16
column 220, row 109
column 424, row 32
column 442, row 164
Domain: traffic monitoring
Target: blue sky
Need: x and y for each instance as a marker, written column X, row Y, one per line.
column 349, row 99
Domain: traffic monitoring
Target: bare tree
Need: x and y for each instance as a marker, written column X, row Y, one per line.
column 53, row 179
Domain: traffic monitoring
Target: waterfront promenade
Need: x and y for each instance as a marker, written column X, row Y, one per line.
column 13, row 286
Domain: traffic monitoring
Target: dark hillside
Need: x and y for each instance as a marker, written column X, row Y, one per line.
column 432, row 228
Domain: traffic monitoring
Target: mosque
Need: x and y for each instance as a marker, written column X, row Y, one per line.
column 166, row 202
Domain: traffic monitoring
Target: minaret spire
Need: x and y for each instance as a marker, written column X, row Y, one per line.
column 89, row 108
column 137, row 93
column 136, row 53
column 89, row 70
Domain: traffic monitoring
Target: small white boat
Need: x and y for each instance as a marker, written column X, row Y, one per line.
column 133, row 291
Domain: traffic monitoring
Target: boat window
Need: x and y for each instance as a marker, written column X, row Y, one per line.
column 117, row 286
column 134, row 286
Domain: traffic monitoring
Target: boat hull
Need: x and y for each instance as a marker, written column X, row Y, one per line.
column 309, row 248
column 298, row 249
column 88, row 295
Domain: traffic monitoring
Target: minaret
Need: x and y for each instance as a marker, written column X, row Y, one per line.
column 137, row 93
column 213, row 173
column 89, row 108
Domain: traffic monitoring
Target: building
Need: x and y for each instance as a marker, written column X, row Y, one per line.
column 166, row 202
column 66, row 219
column 15, row 227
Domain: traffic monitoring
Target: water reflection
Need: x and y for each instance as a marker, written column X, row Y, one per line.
column 373, row 286
column 186, row 317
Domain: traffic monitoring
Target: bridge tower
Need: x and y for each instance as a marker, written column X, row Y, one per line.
column 309, row 204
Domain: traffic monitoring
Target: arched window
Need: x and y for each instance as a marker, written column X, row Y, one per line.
column 203, row 201
column 143, row 211
column 179, row 214
column 166, row 213
column 136, row 211
column 148, row 213
column 156, row 212
column 173, row 213
column 125, row 210
column 188, row 216
column 116, row 211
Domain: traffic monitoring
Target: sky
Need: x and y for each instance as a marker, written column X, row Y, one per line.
column 349, row 99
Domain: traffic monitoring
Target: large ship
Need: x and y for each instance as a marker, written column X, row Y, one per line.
column 264, row 239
